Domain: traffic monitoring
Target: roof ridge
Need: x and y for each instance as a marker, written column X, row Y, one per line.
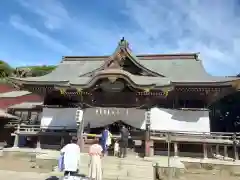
column 141, row 56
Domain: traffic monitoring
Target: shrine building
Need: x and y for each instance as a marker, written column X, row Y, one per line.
column 154, row 92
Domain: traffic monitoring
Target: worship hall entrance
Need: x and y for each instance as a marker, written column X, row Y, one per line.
column 114, row 128
column 96, row 119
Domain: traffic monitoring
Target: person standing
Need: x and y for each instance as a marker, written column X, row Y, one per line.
column 106, row 139
column 95, row 164
column 71, row 157
column 124, row 135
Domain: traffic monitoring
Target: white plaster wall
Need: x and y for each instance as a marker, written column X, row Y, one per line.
column 179, row 120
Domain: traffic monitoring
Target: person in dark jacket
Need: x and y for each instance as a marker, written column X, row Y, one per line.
column 124, row 134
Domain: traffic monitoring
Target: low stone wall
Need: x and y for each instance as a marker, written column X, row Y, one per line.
column 168, row 173
column 215, row 169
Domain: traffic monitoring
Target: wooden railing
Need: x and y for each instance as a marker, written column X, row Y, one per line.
column 176, row 136
column 187, row 136
column 38, row 128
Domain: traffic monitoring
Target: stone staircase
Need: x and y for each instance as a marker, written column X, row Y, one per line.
column 129, row 168
column 115, row 168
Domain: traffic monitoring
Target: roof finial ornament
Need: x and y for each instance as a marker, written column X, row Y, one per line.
column 124, row 43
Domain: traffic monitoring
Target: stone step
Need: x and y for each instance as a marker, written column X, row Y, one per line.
column 107, row 167
column 121, row 177
column 133, row 172
column 113, row 160
column 120, row 167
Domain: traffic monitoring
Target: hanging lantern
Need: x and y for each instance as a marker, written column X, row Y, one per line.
column 79, row 116
column 147, row 117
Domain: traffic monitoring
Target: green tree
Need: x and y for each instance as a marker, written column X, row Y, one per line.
column 41, row 70
column 5, row 69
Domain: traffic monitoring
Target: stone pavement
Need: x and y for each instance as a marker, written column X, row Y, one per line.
column 133, row 168
column 5, row 175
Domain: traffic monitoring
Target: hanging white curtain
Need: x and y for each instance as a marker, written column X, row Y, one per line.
column 179, row 120
column 160, row 119
column 59, row 118
column 99, row 117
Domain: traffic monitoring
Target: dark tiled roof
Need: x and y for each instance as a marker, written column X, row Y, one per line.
column 3, row 114
column 176, row 70
column 25, row 105
column 171, row 68
column 13, row 94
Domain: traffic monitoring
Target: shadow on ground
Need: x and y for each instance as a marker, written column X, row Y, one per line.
column 52, row 178
column 57, row 178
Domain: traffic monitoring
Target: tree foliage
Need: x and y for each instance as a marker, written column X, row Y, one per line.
column 41, row 70
column 5, row 69
column 29, row 71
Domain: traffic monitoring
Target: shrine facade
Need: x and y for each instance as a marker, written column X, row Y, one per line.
column 170, row 91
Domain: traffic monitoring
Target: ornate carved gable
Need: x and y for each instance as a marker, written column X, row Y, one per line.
column 122, row 59
column 117, row 59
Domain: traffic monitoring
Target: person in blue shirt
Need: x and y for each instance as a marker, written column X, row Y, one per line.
column 105, row 140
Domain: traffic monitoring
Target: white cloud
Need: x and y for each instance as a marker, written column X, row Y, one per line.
column 52, row 11
column 157, row 26
column 208, row 27
column 18, row 23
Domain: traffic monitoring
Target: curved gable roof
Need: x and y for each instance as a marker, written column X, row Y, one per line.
column 178, row 68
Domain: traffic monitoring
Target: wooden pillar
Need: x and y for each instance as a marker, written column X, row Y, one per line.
column 217, row 149
column 151, row 151
column 225, row 151
column 147, row 143
column 62, row 141
column 16, row 141
column 147, row 134
column 205, row 155
column 175, row 149
column 16, row 138
column 235, row 149
column 236, row 153
column 80, row 124
column 38, row 143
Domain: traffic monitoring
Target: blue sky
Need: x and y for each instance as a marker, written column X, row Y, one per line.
column 37, row 32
